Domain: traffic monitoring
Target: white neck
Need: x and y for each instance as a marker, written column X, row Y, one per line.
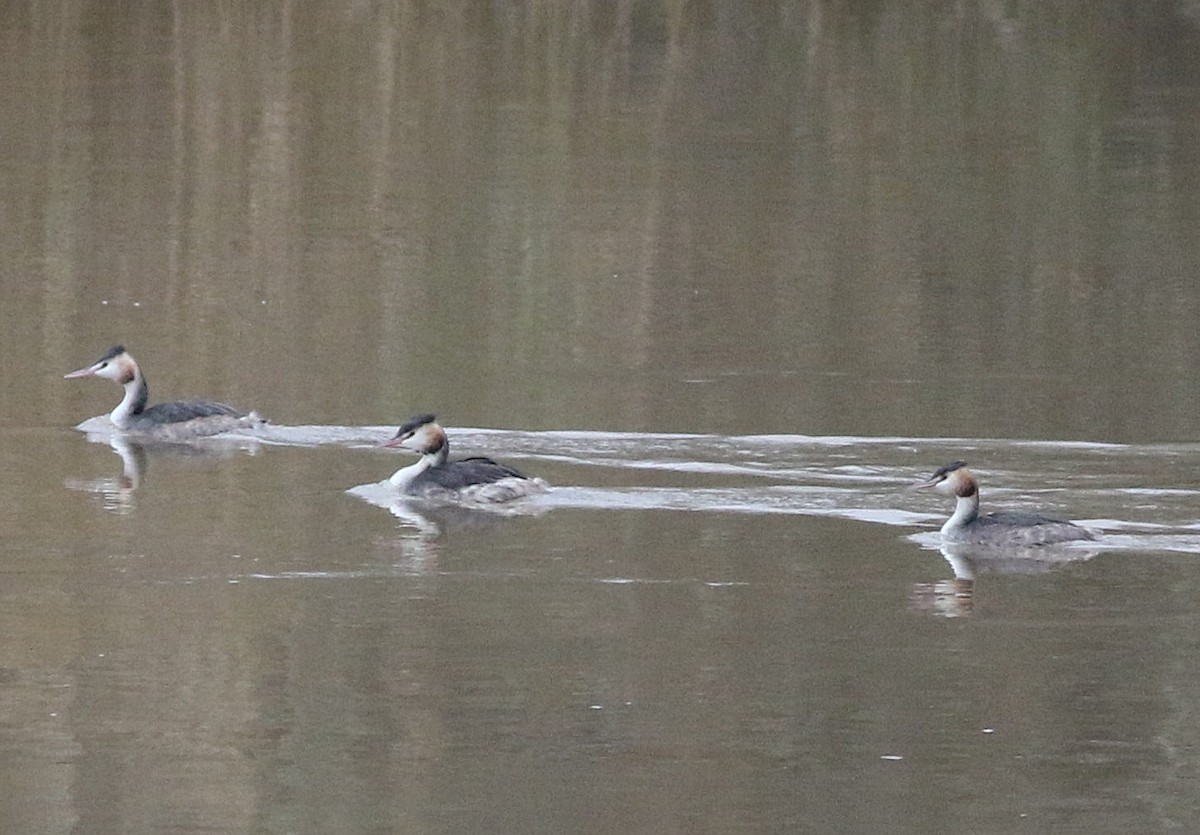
column 122, row 415
column 965, row 510
column 405, row 476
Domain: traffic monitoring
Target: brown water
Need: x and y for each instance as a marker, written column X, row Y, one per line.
column 730, row 277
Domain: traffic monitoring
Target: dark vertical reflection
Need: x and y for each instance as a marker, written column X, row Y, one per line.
column 694, row 215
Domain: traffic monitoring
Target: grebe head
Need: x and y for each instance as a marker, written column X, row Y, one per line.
column 115, row 365
column 954, row 478
column 420, row 434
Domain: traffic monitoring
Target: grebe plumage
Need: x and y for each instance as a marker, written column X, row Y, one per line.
column 476, row 479
column 1014, row 528
column 178, row 419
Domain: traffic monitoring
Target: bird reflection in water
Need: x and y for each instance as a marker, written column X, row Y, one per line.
column 424, row 524
column 117, row 494
column 955, row 597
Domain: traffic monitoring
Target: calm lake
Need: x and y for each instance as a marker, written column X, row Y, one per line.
column 731, row 277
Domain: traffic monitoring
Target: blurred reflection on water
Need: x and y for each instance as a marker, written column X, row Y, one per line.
column 804, row 237
column 886, row 220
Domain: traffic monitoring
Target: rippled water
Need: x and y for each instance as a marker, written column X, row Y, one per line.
column 754, row 628
column 861, row 479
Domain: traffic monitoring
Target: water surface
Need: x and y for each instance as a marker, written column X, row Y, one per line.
column 731, row 277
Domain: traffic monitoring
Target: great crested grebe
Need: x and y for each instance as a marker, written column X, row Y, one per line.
column 475, row 479
column 184, row 418
column 1014, row 528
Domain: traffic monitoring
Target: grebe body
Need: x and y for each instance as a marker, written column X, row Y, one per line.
column 1007, row 528
column 434, row 475
column 177, row 420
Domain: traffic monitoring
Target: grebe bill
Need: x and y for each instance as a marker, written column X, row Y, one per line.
column 434, row 475
column 1016, row 528
column 181, row 419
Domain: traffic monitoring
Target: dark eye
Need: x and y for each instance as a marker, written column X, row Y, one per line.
column 104, row 365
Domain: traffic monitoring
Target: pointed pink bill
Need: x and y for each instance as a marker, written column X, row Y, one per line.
column 83, row 372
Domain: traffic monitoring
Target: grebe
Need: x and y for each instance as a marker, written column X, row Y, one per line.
column 435, row 476
column 1012, row 528
column 185, row 418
